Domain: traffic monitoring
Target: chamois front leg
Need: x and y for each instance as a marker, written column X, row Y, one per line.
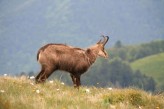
column 76, row 80
column 73, row 80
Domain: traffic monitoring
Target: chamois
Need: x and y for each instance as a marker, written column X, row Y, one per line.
column 74, row 60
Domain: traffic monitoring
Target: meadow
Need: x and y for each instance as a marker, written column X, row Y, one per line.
column 23, row 93
column 152, row 66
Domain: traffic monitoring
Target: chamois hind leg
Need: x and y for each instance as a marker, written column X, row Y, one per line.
column 37, row 78
column 44, row 74
column 49, row 72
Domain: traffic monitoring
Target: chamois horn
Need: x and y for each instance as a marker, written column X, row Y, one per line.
column 106, row 38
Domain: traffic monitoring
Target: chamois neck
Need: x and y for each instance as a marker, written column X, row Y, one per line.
column 91, row 55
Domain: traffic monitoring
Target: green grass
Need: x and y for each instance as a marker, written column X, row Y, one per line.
column 21, row 93
column 152, row 66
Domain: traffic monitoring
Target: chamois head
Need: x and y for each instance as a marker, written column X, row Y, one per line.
column 98, row 49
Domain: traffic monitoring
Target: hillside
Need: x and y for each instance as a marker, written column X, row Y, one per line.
column 22, row 93
column 152, row 66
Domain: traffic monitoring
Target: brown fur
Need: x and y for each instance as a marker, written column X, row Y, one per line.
column 76, row 61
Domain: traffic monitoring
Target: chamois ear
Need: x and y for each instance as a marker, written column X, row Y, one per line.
column 88, row 51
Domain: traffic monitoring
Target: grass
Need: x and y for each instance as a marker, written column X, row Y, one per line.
column 22, row 93
column 152, row 66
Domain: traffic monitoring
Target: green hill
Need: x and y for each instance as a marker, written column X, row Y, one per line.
column 152, row 66
column 22, row 93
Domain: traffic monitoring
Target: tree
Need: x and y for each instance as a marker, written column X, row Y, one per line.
column 143, row 81
column 120, row 72
column 118, row 44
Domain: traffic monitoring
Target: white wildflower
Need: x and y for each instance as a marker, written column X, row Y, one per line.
column 57, row 89
column 87, row 90
column 32, row 77
column 32, row 84
column 62, row 83
column 112, row 106
column 51, row 81
column 110, row 88
column 2, row 91
column 37, row 91
column 5, row 75
column 140, row 107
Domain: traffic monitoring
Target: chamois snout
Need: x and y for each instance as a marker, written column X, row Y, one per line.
column 103, row 53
